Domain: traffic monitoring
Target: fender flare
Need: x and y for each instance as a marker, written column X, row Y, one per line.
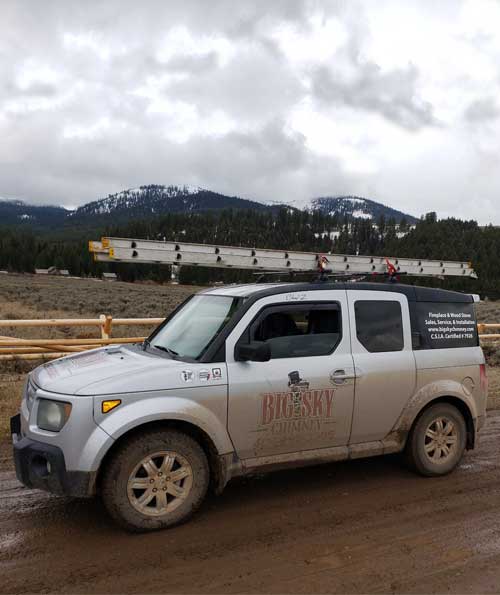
column 432, row 392
column 157, row 409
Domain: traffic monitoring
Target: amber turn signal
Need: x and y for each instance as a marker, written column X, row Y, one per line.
column 109, row 405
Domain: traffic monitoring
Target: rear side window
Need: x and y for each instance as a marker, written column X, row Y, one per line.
column 446, row 325
column 379, row 325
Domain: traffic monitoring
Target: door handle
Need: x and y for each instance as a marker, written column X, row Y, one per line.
column 338, row 376
column 342, row 374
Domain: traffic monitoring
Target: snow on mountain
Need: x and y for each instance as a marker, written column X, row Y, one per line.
column 362, row 215
column 157, row 199
column 147, row 199
column 357, row 207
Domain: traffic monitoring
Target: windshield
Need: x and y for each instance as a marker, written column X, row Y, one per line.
column 193, row 328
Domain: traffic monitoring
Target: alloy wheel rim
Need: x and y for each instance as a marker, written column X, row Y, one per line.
column 441, row 440
column 160, row 483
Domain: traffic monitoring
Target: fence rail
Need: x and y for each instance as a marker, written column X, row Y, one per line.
column 12, row 348
column 485, row 336
column 29, row 349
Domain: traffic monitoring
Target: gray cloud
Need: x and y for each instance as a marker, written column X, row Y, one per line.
column 200, row 64
column 38, row 89
column 482, row 110
column 391, row 94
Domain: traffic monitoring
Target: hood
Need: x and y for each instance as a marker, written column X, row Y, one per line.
column 114, row 370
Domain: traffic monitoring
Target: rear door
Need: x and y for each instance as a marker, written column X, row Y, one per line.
column 383, row 359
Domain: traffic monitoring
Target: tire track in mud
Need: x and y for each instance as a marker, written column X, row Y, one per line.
column 363, row 526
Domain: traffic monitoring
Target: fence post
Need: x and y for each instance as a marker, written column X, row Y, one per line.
column 104, row 334
column 107, row 325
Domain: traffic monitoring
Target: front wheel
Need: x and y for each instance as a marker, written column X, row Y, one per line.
column 437, row 441
column 156, row 480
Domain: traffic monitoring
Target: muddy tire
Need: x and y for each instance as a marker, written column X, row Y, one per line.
column 155, row 480
column 437, row 441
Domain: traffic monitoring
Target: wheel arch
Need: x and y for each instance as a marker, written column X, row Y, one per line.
column 459, row 404
column 216, row 462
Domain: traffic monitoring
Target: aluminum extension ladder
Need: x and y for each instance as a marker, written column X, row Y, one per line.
column 270, row 261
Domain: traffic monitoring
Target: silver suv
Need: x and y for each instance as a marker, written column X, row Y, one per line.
column 251, row 378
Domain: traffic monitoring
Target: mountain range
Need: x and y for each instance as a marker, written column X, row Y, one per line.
column 154, row 200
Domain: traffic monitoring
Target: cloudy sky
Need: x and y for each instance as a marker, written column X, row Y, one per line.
column 395, row 100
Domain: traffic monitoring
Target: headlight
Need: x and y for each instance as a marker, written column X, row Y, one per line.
column 30, row 394
column 52, row 415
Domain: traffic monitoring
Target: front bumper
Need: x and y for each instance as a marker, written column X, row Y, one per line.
column 42, row 466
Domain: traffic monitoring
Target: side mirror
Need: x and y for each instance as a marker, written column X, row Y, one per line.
column 254, row 352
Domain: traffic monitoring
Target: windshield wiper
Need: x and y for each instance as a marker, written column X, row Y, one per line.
column 170, row 352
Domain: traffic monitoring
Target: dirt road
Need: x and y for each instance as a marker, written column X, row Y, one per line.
column 365, row 526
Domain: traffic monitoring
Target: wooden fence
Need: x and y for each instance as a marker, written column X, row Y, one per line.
column 14, row 348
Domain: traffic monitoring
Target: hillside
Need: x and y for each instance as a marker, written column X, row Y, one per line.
column 152, row 200
column 357, row 207
column 17, row 212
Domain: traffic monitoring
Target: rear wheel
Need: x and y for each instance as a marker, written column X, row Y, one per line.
column 156, row 480
column 437, row 441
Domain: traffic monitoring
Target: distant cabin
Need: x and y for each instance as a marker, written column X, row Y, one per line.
column 109, row 277
column 54, row 271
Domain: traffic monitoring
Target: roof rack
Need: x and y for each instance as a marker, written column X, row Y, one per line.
column 271, row 261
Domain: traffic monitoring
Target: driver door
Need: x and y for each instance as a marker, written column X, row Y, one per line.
column 302, row 398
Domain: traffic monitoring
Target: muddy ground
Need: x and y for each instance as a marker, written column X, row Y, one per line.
column 367, row 526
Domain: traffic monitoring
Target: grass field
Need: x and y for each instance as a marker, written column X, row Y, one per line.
column 26, row 296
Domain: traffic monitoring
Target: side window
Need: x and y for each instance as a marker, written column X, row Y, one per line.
column 300, row 331
column 379, row 325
